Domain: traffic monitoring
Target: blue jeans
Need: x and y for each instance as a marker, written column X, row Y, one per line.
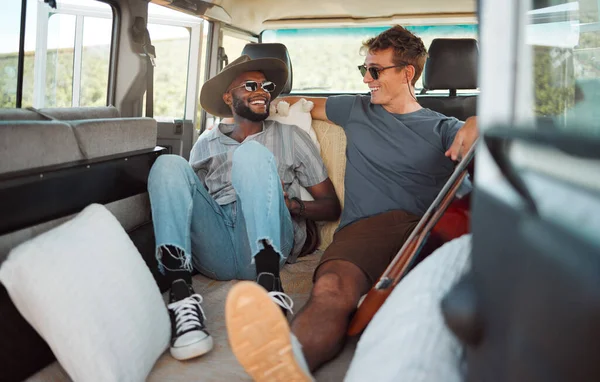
column 220, row 240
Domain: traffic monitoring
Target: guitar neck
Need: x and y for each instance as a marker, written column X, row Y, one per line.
column 411, row 247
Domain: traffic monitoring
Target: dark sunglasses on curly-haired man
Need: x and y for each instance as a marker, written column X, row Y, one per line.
column 374, row 71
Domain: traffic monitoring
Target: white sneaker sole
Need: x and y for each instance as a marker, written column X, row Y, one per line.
column 259, row 335
column 193, row 350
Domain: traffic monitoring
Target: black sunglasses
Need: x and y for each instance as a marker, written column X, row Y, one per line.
column 374, row 71
column 252, row 86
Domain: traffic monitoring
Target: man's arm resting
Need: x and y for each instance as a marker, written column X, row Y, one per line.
column 326, row 205
column 464, row 139
column 318, row 111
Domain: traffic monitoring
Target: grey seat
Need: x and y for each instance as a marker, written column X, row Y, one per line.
column 272, row 50
column 452, row 66
column 61, row 114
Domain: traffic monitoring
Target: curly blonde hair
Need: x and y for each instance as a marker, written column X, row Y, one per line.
column 408, row 48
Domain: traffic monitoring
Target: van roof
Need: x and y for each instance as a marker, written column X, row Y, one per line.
column 257, row 15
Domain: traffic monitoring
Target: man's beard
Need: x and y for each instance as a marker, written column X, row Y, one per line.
column 245, row 112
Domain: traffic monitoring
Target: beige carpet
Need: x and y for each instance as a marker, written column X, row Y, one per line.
column 220, row 364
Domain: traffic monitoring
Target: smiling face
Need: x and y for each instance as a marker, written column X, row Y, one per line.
column 251, row 105
column 393, row 83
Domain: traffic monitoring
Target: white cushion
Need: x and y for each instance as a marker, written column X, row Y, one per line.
column 298, row 114
column 87, row 291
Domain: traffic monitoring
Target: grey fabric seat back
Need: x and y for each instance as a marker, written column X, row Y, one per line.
column 102, row 137
column 451, row 66
column 32, row 144
column 272, row 50
column 60, row 113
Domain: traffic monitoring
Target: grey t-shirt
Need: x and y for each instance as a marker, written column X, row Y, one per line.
column 393, row 161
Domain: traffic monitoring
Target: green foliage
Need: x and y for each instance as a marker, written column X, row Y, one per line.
column 553, row 80
column 170, row 77
column 319, row 64
column 169, row 88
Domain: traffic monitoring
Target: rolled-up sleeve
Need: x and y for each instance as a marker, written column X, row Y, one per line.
column 308, row 165
column 338, row 108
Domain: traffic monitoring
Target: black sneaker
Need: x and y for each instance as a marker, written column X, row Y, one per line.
column 275, row 290
column 189, row 337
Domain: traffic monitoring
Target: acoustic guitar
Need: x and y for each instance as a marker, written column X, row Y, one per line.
column 402, row 262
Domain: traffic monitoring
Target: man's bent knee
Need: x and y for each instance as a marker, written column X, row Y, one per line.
column 341, row 288
column 168, row 164
column 352, row 277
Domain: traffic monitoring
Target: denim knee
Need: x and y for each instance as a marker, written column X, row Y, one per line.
column 251, row 154
column 169, row 170
column 167, row 164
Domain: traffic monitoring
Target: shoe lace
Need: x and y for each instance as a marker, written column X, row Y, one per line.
column 186, row 313
column 283, row 300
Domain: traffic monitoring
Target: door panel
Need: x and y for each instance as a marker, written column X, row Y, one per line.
column 177, row 137
column 530, row 307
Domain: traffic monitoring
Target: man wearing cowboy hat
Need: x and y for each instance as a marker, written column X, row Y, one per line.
column 225, row 213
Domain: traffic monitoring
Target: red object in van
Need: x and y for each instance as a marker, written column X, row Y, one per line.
column 455, row 222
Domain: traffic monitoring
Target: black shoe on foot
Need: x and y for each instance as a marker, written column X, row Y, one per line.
column 189, row 337
column 275, row 290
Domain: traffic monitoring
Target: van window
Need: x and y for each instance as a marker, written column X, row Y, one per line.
column 565, row 43
column 179, row 40
column 10, row 21
column 69, row 67
column 562, row 88
column 172, row 45
column 59, row 61
column 325, row 59
column 95, row 61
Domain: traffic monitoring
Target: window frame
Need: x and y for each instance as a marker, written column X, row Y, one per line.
column 41, row 48
column 508, row 100
column 194, row 57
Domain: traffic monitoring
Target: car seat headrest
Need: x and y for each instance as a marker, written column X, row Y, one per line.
column 272, row 50
column 452, row 64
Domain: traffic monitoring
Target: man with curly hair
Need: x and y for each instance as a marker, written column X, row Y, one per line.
column 399, row 156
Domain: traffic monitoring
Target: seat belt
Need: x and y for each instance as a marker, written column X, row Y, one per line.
column 141, row 35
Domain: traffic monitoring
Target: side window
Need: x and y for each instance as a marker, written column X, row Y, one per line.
column 179, row 40
column 561, row 91
column 172, row 45
column 95, row 59
column 10, row 22
column 60, row 64
column 67, row 53
column 565, row 46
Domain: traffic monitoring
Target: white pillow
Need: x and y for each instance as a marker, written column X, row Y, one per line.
column 87, row 291
column 298, row 114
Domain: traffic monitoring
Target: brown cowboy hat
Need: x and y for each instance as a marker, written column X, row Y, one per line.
column 211, row 95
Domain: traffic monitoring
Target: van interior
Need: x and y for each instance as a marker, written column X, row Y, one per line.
column 93, row 91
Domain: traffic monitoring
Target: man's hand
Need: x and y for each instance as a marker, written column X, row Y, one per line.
column 326, row 205
column 288, row 203
column 464, row 139
column 318, row 111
